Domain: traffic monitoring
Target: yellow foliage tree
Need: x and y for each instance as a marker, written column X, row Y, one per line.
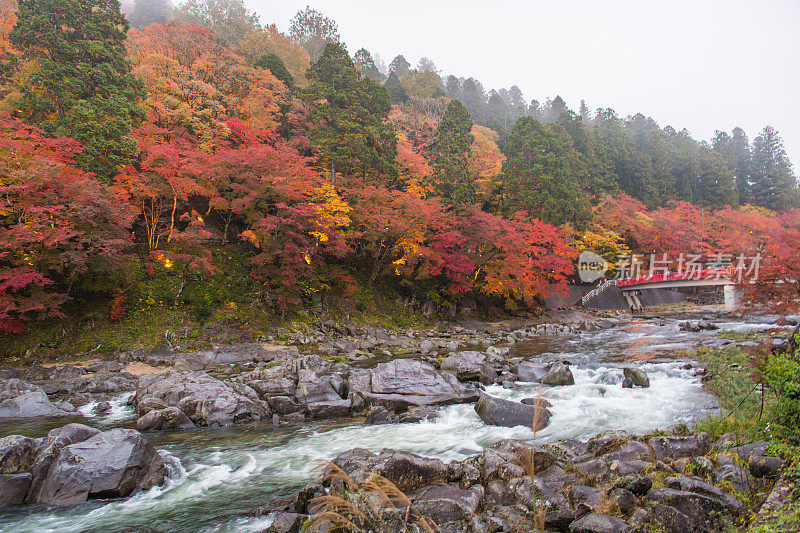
column 333, row 213
column 485, row 160
column 271, row 41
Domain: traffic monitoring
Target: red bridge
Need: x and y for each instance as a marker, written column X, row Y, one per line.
column 632, row 288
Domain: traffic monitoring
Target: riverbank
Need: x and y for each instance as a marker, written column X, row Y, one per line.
column 294, row 399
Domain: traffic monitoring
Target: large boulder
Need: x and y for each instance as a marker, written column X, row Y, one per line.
column 530, row 372
column 407, row 471
column 30, row 405
column 404, row 383
column 499, row 412
column 207, row 401
column 676, row 447
column 112, row 464
column 57, row 439
column 469, row 366
column 559, row 374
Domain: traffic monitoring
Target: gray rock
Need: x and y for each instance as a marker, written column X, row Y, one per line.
column 13, row 488
column 631, row 451
column 765, row 466
column 599, row 523
column 287, row 523
column 469, row 366
column 273, row 387
column 112, row 464
column 589, row 496
column 17, row 453
column 559, row 520
column 698, row 486
column 405, row 383
column 30, row 405
column 407, row 376
column 328, row 409
column 558, row 375
column 74, row 432
column 637, row 376
column 757, row 449
column 379, row 415
column 499, row 412
column 284, row 405
column 627, row 383
column 636, row 484
column 205, row 400
column 316, row 391
column 447, row 503
column 408, row 471
column 13, row 387
column 169, row 418
column 672, row 520
column 530, row 372
column 702, row 509
column 676, row 447
column 426, row 346
column 624, row 500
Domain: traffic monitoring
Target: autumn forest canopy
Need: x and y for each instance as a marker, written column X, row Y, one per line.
column 146, row 154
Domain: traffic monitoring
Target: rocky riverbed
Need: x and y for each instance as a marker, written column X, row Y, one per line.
column 235, row 425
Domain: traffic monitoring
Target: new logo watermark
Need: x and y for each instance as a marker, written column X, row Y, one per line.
column 592, row 267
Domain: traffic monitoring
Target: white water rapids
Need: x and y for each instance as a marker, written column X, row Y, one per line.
column 214, row 474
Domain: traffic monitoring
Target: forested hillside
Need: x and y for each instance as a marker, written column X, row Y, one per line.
column 194, row 162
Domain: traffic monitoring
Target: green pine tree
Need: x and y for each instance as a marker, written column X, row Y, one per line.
column 449, row 156
column 84, row 87
column 397, row 93
column 774, row 183
column 276, row 65
column 543, row 174
column 717, row 185
column 350, row 115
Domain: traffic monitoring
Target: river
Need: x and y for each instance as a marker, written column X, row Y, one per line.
column 215, row 474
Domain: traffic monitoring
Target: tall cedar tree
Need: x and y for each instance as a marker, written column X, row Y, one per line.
column 84, row 87
column 774, row 183
column 450, row 156
column 396, row 91
column 350, row 114
column 540, row 174
column 277, row 67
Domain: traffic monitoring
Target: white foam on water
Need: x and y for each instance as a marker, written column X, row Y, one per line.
column 120, row 410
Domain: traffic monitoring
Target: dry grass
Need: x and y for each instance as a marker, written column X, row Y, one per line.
column 528, row 460
column 375, row 506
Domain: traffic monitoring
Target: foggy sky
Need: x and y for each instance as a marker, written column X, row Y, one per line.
column 704, row 65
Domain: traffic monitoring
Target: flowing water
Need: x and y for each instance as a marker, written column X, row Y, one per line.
column 216, row 474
